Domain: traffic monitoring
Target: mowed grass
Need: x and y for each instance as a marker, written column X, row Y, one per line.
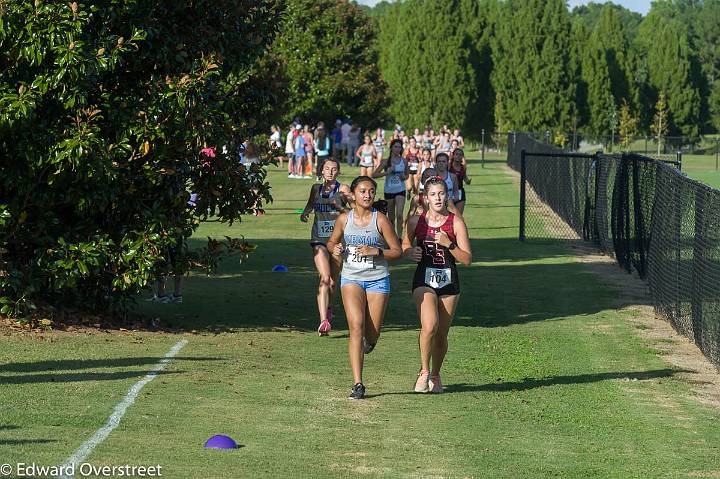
column 544, row 377
column 702, row 168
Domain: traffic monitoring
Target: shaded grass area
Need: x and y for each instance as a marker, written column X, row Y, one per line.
column 544, row 377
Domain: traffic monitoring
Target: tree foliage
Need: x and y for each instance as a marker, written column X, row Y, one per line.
column 628, row 125
column 672, row 67
column 329, row 52
column 104, row 108
column 532, row 64
column 439, row 73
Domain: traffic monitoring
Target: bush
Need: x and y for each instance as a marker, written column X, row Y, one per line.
column 105, row 107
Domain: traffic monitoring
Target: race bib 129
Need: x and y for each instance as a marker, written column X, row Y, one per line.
column 325, row 228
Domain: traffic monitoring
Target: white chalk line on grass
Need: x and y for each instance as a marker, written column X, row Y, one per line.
column 114, row 420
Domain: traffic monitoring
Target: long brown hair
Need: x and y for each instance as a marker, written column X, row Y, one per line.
column 388, row 162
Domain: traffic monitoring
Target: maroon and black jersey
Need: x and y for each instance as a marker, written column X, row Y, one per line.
column 436, row 269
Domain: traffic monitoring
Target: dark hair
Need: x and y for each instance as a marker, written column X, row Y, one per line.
column 436, row 180
column 320, row 135
column 330, row 158
column 424, row 178
column 392, row 143
column 447, row 157
column 427, row 149
column 381, row 206
column 361, row 179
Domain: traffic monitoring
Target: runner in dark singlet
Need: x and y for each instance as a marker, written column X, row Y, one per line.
column 458, row 166
column 327, row 200
column 435, row 240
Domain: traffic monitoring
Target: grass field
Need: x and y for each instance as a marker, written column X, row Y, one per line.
column 544, row 377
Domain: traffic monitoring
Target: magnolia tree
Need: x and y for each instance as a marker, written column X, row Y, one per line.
column 112, row 113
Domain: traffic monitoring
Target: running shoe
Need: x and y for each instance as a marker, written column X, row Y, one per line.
column 176, row 299
column 367, row 347
column 421, row 384
column 324, row 328
column 357, row 392
column 435, row 384
column 158, row 299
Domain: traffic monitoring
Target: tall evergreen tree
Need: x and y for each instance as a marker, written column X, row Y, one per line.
column 707, row 30
column 531, row 55
column 672, row 68
column 438, row 71
column 608, row 70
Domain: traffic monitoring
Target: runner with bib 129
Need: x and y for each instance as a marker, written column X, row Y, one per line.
column 328, row 200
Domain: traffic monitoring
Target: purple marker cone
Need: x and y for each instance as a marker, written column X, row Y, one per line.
column 220, row 441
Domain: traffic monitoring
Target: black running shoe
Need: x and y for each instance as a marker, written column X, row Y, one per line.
column 358, row 392
column 367, row 347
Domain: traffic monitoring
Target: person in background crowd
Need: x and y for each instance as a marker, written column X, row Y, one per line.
column 310, row 160
column 412, row 155
column 299, row 153
column 458, row 166
column 290, row 151
column 337, row 140
column 275, row 142
column 353, row 143
column 457, row 136
column 322, row 149
column 366, row 155
column 345, row 129
column 379, row 142
column 395, row 170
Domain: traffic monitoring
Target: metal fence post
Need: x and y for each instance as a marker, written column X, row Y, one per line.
column 522, row 195
column 717, row 152
column 547, row 137
column 482, row 157
column 679, row 160
column 646, row 145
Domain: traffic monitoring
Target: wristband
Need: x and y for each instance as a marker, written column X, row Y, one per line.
column 381, row 253
column 452, row 246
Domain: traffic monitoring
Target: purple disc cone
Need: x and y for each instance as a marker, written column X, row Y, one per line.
column 220, row 441
column 280, row 269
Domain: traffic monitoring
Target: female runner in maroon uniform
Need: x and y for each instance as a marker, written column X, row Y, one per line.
column 442, row 239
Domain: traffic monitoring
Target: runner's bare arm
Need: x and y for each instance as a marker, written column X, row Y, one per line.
column 309, row 205
column 388, row 233
column 379, row 171
column 410, row 251
column 334, row 244
column 463, row 251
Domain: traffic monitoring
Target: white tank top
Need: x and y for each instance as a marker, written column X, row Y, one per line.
column 393, row 182
column 363, row 268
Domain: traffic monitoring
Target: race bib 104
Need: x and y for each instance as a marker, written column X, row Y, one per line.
column 325, row 228
column 438, row 277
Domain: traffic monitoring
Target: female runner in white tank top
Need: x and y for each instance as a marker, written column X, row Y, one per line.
column 412, row 156
column 442, row 165
column 365, row 239
column 328, row 200
column 366, row 155
column 395, row 170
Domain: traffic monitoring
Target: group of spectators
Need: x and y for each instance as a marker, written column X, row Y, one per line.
column 306, row 148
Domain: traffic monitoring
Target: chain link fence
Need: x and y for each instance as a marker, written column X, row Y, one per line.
column 648, row 215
